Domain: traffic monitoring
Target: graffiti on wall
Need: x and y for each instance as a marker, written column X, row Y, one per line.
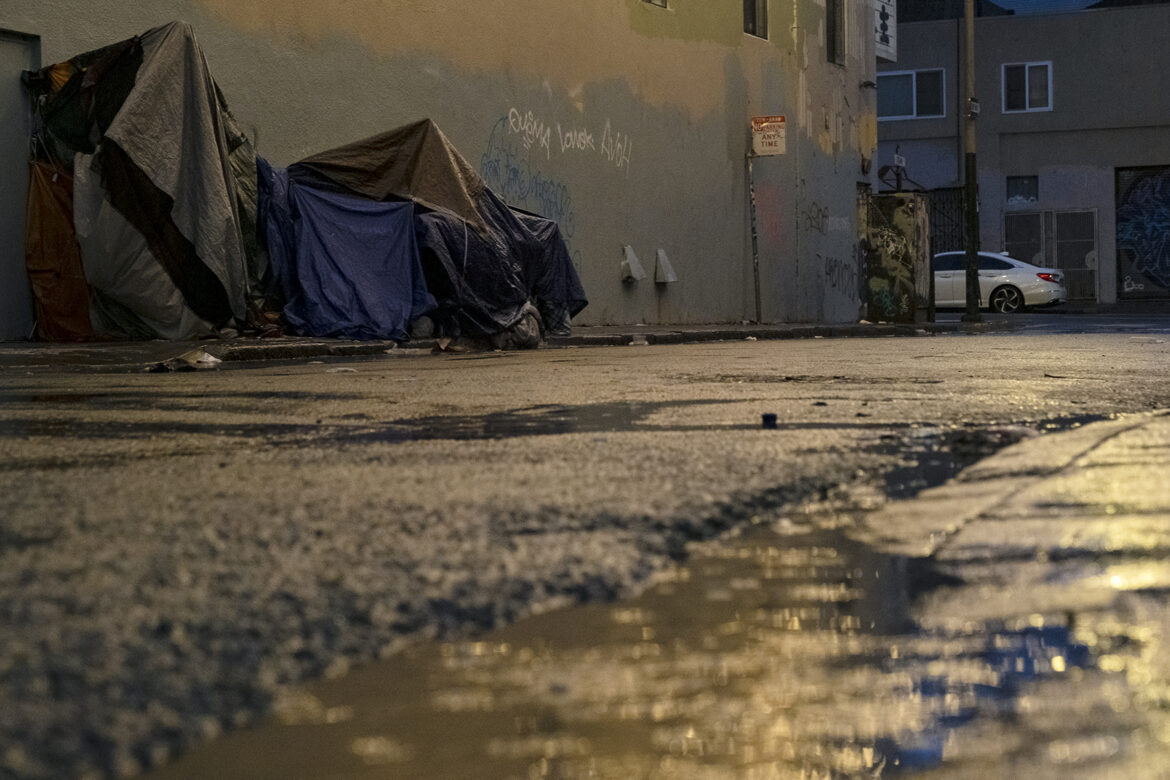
column 616, row 147
column 532, row 130
column 816, row 217
column 507, row 168
column 535, row 133
column 840, row 275
column 522, row 143
column 1143, row 232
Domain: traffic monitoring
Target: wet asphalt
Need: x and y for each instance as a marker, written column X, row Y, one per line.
column 183, row 550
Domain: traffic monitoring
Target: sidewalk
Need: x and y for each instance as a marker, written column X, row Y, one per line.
column 1100, row 490
column 145, row 354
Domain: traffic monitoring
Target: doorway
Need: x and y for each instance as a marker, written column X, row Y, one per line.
column 18, row 53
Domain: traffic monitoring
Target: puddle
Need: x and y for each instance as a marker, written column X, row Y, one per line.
column 776, row 655
column 151, row 399
column 931, row 456
column 789, row 651
column 618, row 417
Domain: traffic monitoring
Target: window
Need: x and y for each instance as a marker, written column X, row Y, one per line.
column 911, row 94
column 1027, row 86
column 1023, row 189
column 755, row 18
column 835, row 31
column 953, row 262
column 993, row 264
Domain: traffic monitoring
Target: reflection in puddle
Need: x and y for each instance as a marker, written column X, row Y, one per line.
column 777, row 655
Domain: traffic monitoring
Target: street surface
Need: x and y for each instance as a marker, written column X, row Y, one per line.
column 180, row 551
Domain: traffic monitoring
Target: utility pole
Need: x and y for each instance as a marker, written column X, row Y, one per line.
column 971, row 188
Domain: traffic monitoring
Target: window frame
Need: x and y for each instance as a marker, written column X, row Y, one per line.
column 1027, row 66
column 836, row 42
column 759, row 19
column 1023, row 204
column 914, row 93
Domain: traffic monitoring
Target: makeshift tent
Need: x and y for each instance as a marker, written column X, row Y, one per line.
column 159, row 170
column 53, row 258
column 484, row 263
column 347, row 266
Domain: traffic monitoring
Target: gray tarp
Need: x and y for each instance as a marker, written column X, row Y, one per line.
column 157, row 158
column 171, row 128
column 131, row 289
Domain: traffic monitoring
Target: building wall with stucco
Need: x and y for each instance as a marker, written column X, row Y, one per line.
column 627, row 122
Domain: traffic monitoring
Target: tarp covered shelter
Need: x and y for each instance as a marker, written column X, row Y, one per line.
column 153, row 186
column 482, row 262
column 53, row 258
column 163, row 188
column 347, row 266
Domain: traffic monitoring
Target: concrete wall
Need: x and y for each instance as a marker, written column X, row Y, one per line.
column 626, row 122
column 1110, row 110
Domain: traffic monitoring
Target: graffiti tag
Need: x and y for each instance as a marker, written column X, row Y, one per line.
column 616, row 147
column 839, row 274
column 1131, row 286
column 535, row 132
column 579, row 139
column 816, row 217
column 531, row 129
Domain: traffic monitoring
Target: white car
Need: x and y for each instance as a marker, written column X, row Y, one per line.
column 1005, row 283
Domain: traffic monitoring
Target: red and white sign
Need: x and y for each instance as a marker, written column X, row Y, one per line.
column 769, row 135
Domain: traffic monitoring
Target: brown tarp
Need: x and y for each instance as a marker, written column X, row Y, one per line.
column 413, row 162
column 53, row 258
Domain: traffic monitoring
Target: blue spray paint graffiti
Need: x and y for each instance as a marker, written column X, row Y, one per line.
column 506, row 168
column 1143, row 232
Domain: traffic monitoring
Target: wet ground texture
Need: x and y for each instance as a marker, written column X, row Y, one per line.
column 183, row 551
column 791, row 650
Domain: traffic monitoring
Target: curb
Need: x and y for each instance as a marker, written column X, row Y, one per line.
column 924, row 525
column 764, row 333
column 287, row 351
column 159, row 356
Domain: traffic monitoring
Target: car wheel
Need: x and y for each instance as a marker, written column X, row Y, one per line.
column 1006, row 300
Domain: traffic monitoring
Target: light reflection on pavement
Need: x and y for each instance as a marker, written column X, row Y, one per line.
column 789, row 652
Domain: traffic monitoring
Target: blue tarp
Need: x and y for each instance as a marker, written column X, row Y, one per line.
column 369, row 236
column 347, row 266
column 483, row 280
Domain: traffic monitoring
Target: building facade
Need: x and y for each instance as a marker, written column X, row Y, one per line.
column 1073, row 139
column 627, row 121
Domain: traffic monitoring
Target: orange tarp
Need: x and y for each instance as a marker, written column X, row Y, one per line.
column 60, row 74
column 53, row 258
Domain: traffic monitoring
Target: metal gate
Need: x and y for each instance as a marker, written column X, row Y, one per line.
column 1057, row 239
column 948, row 231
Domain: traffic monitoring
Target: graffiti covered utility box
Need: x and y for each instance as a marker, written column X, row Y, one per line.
column 897, row 261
